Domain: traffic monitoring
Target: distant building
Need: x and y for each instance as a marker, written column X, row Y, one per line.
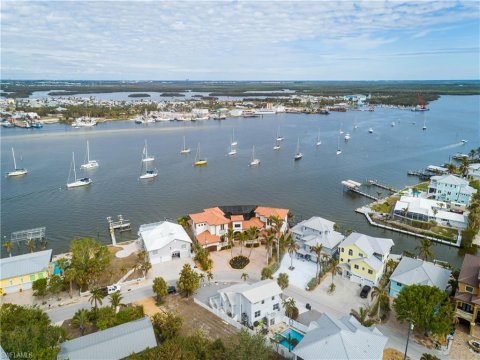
column 474, row 171
column 450, row 188
column 17, row 273
column 114, row 343
column 328, row 338
column 363, row 258
column 360, row 98
column 418, row 272
column 210, row 226
column 165, row 241
column 316, row 231
column 250, row 303
column 467, row 297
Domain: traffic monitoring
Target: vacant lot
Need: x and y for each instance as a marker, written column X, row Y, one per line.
column 117, row 267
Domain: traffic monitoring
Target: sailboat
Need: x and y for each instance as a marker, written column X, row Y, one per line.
column 279, row 137
column 234, row 142
column 149, row 173
column 319, row 142
column 198, row 159
column 339, row 151
column 76, row 183
column 347, row 137
column 341, row 131
column 145, row 157
column 355, row 123
column 424, row 124
column 392, row 124
column 370, row 130
column 184, row 150
column 254, row 161
column 89, row 164
column 298, row 154
column 16, row 171
column 277, row 145
column 233, row 149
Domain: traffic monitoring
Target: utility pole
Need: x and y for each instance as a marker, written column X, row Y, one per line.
column 410, row 328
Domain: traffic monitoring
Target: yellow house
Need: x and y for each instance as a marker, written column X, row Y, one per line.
column 467, row 300
column 17, row 273
column 362, row 258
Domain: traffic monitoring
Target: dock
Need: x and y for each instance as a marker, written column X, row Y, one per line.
column 121, row 224
column 420, row 173
column 354, row 186
column 382, row 186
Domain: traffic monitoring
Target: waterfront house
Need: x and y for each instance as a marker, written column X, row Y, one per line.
column 250, row 304
column 467, row 297
column 315, row 231
column 165, row 241
column 346, row 338
column 363, row 258
column 421, row 209
column 17, row 273
column 474, row 171
column 450, row 188
column 210, row 226
column 117, row 342
column 417, row 272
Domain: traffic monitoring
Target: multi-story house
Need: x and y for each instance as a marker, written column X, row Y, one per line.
column 210, row 226
column 363, row 258
column 315, row 231
column 250, row 304
column 467, row 297
column 474, row 171
column 450, row 188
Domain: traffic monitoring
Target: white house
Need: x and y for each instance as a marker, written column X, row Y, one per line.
column 314, row 231
column 450, row 188
column 474, row 171
column 328, row 338
column 250, row 303
column 165, row 241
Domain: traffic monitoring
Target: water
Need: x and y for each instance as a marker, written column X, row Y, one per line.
column 291, row 334
column 307, row 187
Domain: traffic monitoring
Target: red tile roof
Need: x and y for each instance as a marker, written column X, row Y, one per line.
column 469, row 272
column 236, row 217
column 254, row 221
column 205, row 238
column 269, row 211
column 211, row 216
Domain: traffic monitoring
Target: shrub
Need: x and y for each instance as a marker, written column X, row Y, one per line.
column 312, row 284
column 266, row 273
column 239, row 262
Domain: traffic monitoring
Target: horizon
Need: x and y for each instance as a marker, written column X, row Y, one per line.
column 240, row 41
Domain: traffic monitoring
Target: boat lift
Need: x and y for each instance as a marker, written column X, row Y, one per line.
column 37, row 235
column 354, row 186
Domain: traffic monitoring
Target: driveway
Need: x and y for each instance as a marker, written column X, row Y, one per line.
column 222, row 271
column 300, row 276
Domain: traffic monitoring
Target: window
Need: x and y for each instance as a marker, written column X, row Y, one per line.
column 32, row 277
column 399, row 284
column 343, row 250
column 40, row 275
column 469, row 289
column 263, row 301
column 272, row 321
column 238, row 225
column 363, row 268
column 276, row 306
column 184, row 246
column 257, row 313
column 370, row 272
column 273, row 297
column 222, row 227
column 154, row 252
column 355, row 266
column 360, row 254
column 341, row 259
column 350, row 252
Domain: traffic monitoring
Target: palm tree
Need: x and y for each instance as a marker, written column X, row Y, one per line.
column 31, row 245
column 252, row 234
column 335, row 268
column 8, row 247
column 282, row 280
column 116, row 300
column 96, row 297
column 70, row 275
column 289, row 306
column 381, row 294
column 201, row 277
column 268, row 244
column 209, row 276
column 464, row 167
column 425, row 249
column 43, row 244
column 80, row 319
column 471, row 154
column 241, row 237
column 230, row 235
column 317, row 250
column 145, row 267
column 276, row 223
column 292, row 248
column 62, row 265
column 244, row 276
column 452, row 169
column 362, row 316
column 183, row 221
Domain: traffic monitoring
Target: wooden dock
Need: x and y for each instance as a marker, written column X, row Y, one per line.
column 121, row 224
column 354, row 186
column 382, row 186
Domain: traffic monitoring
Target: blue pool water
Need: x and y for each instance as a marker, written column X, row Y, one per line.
column 292, row 334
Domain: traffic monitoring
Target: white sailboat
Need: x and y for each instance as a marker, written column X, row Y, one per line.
column 89, row 164
column 355, row 123
column 254, row 161
column 279, row 137
column 16, row 171
column 370, row 130
column 424, row 124
column 319, row 142
column 341, row 131
column 392, row 124
column 146, row 157
column 184, row 150
column 234, row 142
column 233, row 149
column 198, row 159
column 277, row 145
column 298, row 154
column 149, row 173
column 339, row 151
column 347, row 137
column 76, row 183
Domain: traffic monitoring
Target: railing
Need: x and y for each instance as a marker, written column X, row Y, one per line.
column 464, row 315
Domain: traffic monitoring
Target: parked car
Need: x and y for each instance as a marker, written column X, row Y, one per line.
column 113, row 289
column 365, row 290
column 172, row 290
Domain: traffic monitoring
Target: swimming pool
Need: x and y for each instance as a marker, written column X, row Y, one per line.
column 292, row 335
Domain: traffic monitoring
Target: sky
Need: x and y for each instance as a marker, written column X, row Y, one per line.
column 240, row 40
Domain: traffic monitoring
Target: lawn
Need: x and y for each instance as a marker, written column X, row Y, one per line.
column 117, row 267
column 386, row 206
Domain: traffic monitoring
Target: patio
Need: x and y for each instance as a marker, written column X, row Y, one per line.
column 300, row 276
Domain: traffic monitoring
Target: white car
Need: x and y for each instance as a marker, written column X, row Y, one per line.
column 113, row 289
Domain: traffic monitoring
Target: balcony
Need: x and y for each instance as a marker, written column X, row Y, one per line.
column 464, row 315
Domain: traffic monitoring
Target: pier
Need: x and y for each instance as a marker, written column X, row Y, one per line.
column 121, row 224
column 354, row 186
column 382, row 186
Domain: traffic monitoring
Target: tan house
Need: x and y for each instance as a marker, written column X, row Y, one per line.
column 467, row 299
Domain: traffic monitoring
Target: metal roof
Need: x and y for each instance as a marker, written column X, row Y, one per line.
column 158, row 235
column 369, row 244
column 25, row 264
column 414, row 271
column 115, row 343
